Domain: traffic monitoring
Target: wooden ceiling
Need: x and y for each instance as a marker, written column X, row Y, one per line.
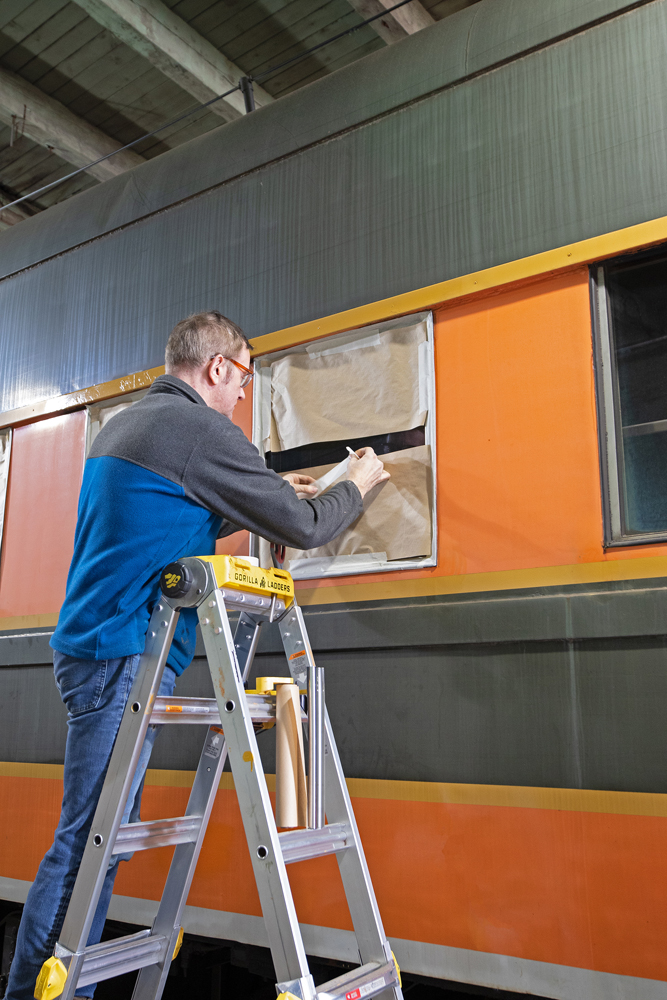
column 100, row 71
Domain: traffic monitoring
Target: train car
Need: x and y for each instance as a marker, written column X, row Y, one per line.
column 497, row 681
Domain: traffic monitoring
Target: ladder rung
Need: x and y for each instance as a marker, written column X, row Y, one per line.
column 114, row 958
column 156, row 833
column 192, row 711
column 299, row 845
column 367, row 981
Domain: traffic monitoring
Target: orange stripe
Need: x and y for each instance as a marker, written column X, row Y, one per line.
column 571, row 888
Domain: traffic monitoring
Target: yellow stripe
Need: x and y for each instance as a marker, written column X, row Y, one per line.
column 514, row 796
column 162, row 778
column 562, row 258
column 513, row 579
column 74, row 400
column 446, row 793
column 516, row 271
column 645, row 568
column 28, row 621
column 11, row 769
column 184, row 779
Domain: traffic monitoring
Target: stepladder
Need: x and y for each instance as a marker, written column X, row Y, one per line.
column 216, row 586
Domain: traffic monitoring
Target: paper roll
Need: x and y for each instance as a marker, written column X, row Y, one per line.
column 291, row 794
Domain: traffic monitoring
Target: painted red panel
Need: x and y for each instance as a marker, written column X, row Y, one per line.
column 44, row 481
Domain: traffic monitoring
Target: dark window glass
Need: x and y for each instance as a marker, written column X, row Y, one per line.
column 332, row 452
column 637, row 297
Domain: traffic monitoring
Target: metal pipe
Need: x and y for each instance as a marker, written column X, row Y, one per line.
column 245, row 86
column 315, row 747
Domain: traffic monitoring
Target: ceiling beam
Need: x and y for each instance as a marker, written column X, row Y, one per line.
column 177, row 50
column 48, row 122
column 10, row 216
column 397, row 25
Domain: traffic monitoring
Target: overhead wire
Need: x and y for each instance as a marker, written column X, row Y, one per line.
column 265, row 74
column 129, row 145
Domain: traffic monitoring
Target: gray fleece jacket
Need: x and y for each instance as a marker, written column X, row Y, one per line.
column 163, row 480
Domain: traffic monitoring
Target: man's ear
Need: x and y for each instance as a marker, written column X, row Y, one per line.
column 215, row 370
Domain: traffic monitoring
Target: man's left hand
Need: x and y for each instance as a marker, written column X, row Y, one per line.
column 303, row 485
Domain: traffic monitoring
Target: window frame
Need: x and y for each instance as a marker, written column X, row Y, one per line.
column 94, row 411
column 262, row 384
column 612, row 461
column 5, row 460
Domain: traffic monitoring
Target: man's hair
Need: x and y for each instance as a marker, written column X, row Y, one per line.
column 194, row 340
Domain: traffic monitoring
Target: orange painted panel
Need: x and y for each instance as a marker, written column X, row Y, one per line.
column 44, row 481
column 243, row 413
column 237, row 544
column 572, row 888
column 518, row 469
column 30, row 808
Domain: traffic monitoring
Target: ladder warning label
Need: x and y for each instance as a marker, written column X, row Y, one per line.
column 214, row 743
column 364, row 991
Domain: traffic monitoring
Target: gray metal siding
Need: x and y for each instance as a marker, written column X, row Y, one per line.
column 471, row 41
column 557, row 146
column 560, row 689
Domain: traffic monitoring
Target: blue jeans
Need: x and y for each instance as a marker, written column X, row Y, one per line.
column 94, row 692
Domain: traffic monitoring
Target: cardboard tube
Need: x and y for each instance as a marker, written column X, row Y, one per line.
column 291, row 795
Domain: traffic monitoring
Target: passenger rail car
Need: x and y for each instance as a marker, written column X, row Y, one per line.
column 498, row 695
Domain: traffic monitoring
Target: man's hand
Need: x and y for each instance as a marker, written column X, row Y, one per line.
column 303, row 485
column 366, row 470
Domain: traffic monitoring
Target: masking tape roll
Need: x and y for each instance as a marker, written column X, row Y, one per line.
column 291, row 794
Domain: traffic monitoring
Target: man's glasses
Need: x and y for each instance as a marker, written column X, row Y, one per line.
column 248, row 373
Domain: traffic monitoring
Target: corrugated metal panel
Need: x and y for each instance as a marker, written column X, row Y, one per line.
column 516, row 681
column 546, row 714
column 468, row 41
column 558, row 146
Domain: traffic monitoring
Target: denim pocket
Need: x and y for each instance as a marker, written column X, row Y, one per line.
column 80, row 682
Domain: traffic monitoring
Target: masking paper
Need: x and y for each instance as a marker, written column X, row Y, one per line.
column 291, row 793
column 397, row 513
column 366, row 387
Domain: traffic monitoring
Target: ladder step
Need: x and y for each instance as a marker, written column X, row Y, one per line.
column 300, row 845
column 367, row 981
column 156, row 833
column 195, row 711
column 125, row 954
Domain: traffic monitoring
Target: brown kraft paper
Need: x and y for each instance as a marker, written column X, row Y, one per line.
column 291, row 794
column 350, row 393
column 397, row 513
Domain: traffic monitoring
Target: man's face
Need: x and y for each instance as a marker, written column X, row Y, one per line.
column 227, row 391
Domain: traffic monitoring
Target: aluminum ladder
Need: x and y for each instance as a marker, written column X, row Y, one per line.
column 216, row 585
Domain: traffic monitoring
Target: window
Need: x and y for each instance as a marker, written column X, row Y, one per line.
column 372, row 386
column 630, row 305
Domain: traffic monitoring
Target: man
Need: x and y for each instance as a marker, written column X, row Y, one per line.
column 163, row 480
